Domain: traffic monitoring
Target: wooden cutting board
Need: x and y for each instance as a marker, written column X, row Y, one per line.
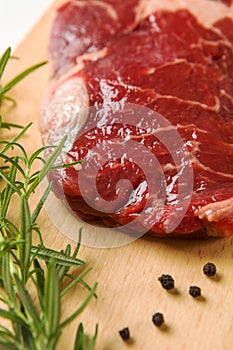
column 128, row 291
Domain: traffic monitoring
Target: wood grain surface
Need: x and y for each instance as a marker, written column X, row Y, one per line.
column 128, row 289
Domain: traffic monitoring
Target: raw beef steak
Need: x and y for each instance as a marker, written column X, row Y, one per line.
column 174, row 57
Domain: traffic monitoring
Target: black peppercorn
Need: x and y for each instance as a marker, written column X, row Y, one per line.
column 166, row 281
column 124, row 333
column 209, row 269
column 195, row 291
column 158, row 319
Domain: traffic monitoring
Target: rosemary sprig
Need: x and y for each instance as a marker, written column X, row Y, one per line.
column 3, row 63
column 35, row 322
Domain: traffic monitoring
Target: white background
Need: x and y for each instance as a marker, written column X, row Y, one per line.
column 17, row 17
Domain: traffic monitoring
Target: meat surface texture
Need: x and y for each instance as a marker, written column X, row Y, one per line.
column 173, row 57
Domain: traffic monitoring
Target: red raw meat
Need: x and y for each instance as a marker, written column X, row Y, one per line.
column 83, row 27
column 160, row 56
column 227, row 2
